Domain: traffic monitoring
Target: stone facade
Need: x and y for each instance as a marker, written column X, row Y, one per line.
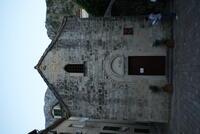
column 105, row 90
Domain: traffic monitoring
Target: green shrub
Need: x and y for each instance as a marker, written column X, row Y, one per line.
column 155, row 88
column 93, row 7
column 122, row 7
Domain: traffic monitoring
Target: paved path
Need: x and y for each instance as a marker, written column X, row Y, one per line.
column 185, row 114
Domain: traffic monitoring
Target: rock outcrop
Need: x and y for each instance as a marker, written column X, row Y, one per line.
column 56, row 10
column 49, row 100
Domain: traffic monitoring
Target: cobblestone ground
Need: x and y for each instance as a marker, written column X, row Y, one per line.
column 185, row 114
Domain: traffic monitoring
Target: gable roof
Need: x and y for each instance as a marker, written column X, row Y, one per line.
column 51, row 87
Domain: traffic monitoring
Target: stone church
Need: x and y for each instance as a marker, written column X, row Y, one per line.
column 102, row 68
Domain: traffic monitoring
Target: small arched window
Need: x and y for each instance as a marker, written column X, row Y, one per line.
column 56, row 111
column 74, row 68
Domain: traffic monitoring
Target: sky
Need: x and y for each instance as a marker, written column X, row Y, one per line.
column 23, row 39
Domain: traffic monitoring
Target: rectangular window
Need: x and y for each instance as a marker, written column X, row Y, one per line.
column 119, row 129
column 141, row 130
column 128, row 31
column 57, row 112
column 106, row 133
column 111, row 128
column 76, row 126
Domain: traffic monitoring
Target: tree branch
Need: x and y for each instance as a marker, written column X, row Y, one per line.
column 109, row 9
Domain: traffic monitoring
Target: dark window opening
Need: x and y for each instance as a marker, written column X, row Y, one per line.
column 74, row 68
column 111, row 128
column 128, row 31
column 120, row 129
column 79, row 132
column 57, row 112
column 140, row 130
column 106, row 133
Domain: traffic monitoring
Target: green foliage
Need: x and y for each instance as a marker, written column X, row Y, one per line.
column 155, row 88
column 159, row 42
column 122, row 7
column 94, row 7
column 49, row 3
column 55, row 24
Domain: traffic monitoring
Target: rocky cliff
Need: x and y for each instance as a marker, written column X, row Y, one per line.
column 56, row 10
column 49, row 100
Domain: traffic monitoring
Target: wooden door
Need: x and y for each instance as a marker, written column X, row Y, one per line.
column 146, row 65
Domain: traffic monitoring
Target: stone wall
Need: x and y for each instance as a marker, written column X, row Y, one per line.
column 101, row 93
